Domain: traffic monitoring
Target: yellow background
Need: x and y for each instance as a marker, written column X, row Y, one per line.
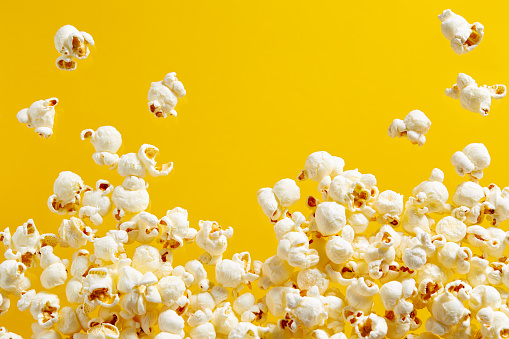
column 268, row 83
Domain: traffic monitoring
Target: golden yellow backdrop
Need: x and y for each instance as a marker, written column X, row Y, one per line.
column 268, row 83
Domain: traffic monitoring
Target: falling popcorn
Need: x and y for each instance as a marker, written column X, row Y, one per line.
column 472, row 97
column 163, row 96
column 464, row 37
column 71, row 43
column 40, row 115
column 413, row 126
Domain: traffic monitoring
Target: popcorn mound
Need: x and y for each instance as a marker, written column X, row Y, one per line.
column 329, row 278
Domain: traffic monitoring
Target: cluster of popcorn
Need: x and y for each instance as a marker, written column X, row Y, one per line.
column 72, row 44
column 362, row 264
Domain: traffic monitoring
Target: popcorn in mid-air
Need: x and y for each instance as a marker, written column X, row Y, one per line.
column 413, row 126
column 472, row 97
column 463, row 36
column 71, row 43
column 107, row 141
column 40, row 115
column 163, row 96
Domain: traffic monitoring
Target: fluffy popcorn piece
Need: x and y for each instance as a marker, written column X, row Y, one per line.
column 99, row 329
column 40, row 115
column 43, row 307
column 371, row 327
column 24, row 243
column 110, row 248
column 484, row 296
column 163, row 96
column 276, row 271
column 432, row 194
column 494, row 324
column 55, row 269
column 224, row 319
column 98, row 288
column 147, row 155
column 97, row 204
column 396, row 296
column 175, row 228
column 389, row 207
column 464, row 37
column 172, row 290
column 472, row 97
column 4, row 334
column 67, row 193
column 492, row 240
column 451, row 255
column 233, row 273
column 213, row 239
column 413, row 126
column 360, row 293
column 139, row 290
column 310, row 277
column 74, row 233
column 5, row 302
column 12, row 277
column 107, row 141
column 130, row 165
column 200, row 325
column 321, row 164
column 307, row 311
column 330, row 218
column 132, row 196
column 497, row 204
column 71, row 43
column 68, row 322
column 468, row 197
column 472, row 160
column 143, row 227
column 169, row 321
column 276, row 299
column 294, row 248
column 452, row 229
column 244, row 330
column 275, row 201
column 339, row 250
column 447, row 311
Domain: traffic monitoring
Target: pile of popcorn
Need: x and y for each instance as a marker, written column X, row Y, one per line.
column 359, row 263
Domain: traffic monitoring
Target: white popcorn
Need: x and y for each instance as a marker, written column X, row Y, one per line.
column 464, row 37
column 110, row 248
column 12, row 277
column 68, row 322
column 432, row 195
column 244, row 330
column 98, row 288
column 139, row 290
column 275, row 202
column 339, row 250
column 276, row 300
column 389, row 207
column 55, row 269
column 4, row 334
column 496, row 206
column 360, row 293
column 5, row 302
column 40, row 115
column 494, row 323
column 143, row 227
column 213, row 239
column 451, row 255
column 147, row 155
column 478, row 271
column 71, row 43
column 175, row 228
column 74, row 233
column 67, row 193
column 484, row 296
column 306, row 311
column 395, row 297
column 169, row 321
column 490, row 240
column 276, row 271
column 472, row 97
column 472, row 160
column 172, row 290
column 321, row 164
column 163, row 95
column 224, row 319
column 310, row 277
column 201, row 328
column 452, row 229
column 107, row 141
column 380, row 254
column 99, row 329
column 294, row 248
column 130, row 165
column 413, row 126
column 131, row 196
column 371, row 327
column 43, row 307
column 97, row 204
column 233, row 273
column 330, row 218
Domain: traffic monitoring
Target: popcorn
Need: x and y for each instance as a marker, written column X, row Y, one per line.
column 413, row 126
column 131, row 196
column 40, row 115
column 67, row 188
column 463, row 36
column 163, row 96
column 12, row 277
column 43, row 307
column 107, row 141
column 55, row 269
column 213, row 239
column 496, row 207
column 98, row 288
column 147, row 154
column 274, row 202
column 175, row 228
column 389, row 207
column 233, row 273
column 75, row 233
column 71, row 44
column 321, row 164
column 472, row 97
